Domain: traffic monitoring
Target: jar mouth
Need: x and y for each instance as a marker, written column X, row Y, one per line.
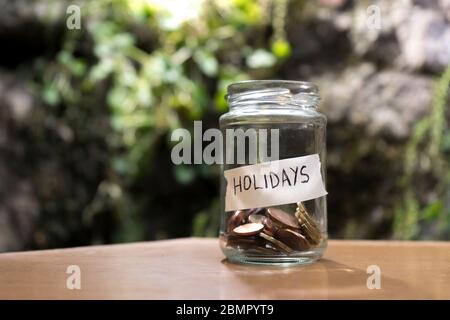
column 281, row 92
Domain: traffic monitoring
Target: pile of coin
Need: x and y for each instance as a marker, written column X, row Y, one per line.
column 272, row 230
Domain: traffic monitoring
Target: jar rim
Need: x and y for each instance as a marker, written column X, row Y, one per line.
column 246, row 85
column 280, row 92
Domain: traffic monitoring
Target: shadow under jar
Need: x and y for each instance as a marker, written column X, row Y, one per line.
column 275, row 214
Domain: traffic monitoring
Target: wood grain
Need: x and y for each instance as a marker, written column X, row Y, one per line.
column 196, row 269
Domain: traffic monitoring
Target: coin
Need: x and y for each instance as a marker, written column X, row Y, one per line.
column 276, row 242
column 308, row 225
column 236, row 219
column 312, row 233
column 256, row 211
column 283, row 217
column 267, row 248
column 248, row 229
column 246, row 243
column 269, row 227
column 251, row 244
column 292, row 239
column 257, row 218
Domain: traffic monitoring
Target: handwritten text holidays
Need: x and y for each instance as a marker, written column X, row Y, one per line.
column 287, row 177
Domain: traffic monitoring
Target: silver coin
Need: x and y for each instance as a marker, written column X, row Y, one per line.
column 248, row 229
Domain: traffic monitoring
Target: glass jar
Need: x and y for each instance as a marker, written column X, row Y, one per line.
column 273, row 194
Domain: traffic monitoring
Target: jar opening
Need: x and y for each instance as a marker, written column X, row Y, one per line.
column 280, row 92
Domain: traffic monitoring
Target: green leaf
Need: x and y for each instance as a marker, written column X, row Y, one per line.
column 101, row 70
column 50, row 95
column 227, row 77
column 184, row 174
column 281, row 49
column 220, row 102
column 433, row 211
column 200, row 101
column 199, row 224
column 207, row 62
column 122, row 166
column 76, row 66
column 143, row 93
column 261, row 59
column 123, row 41
column 117, row 97
column 446, row 142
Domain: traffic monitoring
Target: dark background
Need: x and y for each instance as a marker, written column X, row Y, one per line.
column 86, row 114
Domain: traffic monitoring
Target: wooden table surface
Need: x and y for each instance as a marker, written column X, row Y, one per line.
column 195, row 269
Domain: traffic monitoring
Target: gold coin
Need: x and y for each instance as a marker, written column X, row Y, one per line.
column 276, row 242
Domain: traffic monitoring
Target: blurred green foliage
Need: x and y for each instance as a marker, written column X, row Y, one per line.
column 159, row 65
column 427, row 157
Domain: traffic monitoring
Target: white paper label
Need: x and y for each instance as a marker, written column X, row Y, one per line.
column 274, row 183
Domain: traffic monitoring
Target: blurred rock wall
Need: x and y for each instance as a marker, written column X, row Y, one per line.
column 376, row 85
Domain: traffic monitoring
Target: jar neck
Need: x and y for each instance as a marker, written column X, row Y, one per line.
column 273, row 94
